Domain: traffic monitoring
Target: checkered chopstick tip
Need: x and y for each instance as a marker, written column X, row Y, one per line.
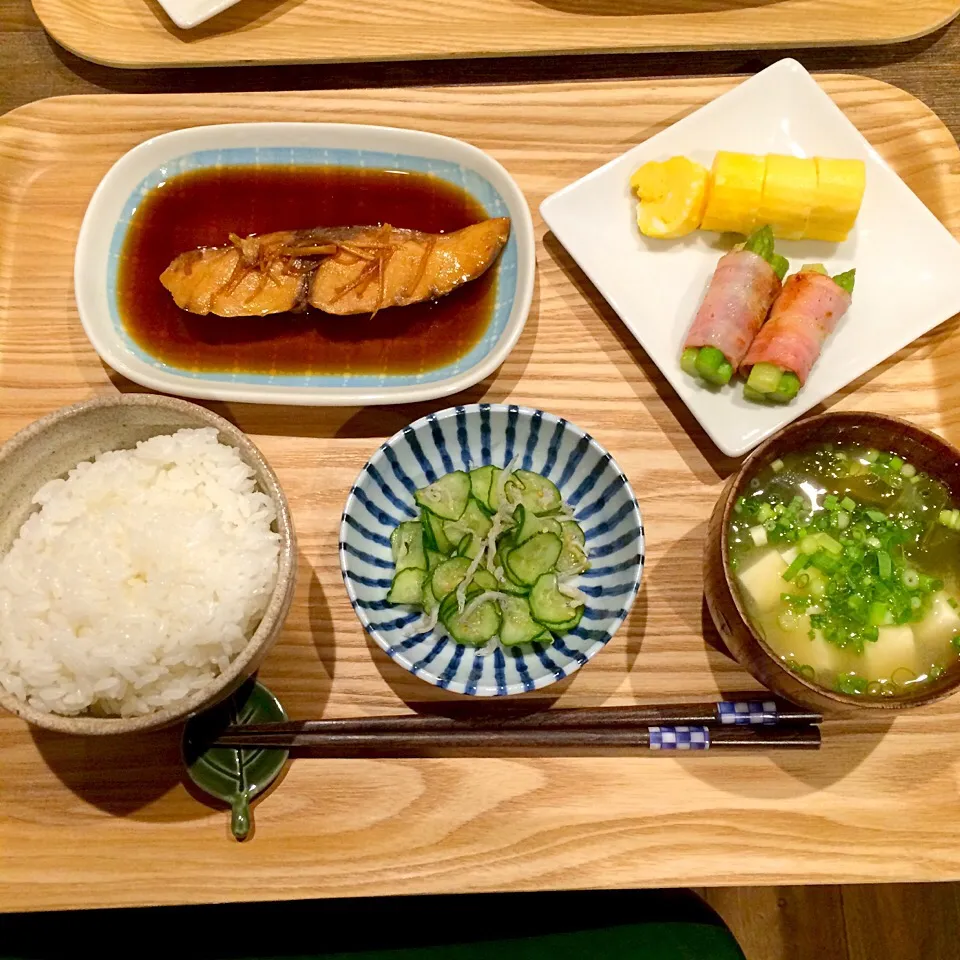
column 747, row 712
column 679, row 738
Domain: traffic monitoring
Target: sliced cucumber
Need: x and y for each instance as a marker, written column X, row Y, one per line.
column 517, row 625
column 545, row 637
column 434, row 559
column 532, row 525
column 485, row 580
column 573, row 557
column 407, row 586
column 549, row 605
column 567, row 625
column 448, row 576
column 469, row 546
column 474, row 522
column 536, row 493
column 493, row 498
column 528, row 561
column 447, row 497
column 472, row 628
column 406, row 544
column 573, row 533
column 480, row 485
column 433, row 535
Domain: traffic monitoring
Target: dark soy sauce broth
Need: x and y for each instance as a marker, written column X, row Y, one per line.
column 203, row 207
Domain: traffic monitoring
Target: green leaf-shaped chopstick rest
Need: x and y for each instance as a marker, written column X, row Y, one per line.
column 230, row 774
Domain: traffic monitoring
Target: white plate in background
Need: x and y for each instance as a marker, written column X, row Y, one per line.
column 190, row 13
column 907, row 261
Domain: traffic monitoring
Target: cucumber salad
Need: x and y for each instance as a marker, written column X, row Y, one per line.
column 491, row 558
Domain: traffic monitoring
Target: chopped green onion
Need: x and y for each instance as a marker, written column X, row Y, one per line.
column 765, row 512
column 799, row 562
column 911, row 579
column 879, row 613
column 809, row 545
column 950, row 519
column 956, row 642
column 848, row 504
column 884, row 564
column 896, row 463
column 871, row 456
column 830, row 502
column 908, row 470
column 776, row 466
column 842, row 519
column 876, row 516
column 825, row 562
column 829, row 544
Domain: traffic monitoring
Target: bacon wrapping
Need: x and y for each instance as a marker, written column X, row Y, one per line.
column 786, row 348
column 744, row 285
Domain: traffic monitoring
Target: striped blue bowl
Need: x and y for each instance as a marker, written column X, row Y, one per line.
column 461, row 438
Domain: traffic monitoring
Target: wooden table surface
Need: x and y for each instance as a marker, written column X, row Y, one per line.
column 34, row 68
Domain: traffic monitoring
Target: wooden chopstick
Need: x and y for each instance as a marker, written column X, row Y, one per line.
column 662, row 738
column 746, row 712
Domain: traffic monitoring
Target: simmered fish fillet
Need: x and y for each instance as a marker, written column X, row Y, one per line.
column 340, row 270
column 414, row 266
column 218, row 280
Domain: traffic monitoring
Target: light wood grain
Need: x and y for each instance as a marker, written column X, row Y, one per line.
column 90, row 824
column 137, row 33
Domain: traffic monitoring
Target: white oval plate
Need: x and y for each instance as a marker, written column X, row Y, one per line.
column 302, row 144
column 907, row 261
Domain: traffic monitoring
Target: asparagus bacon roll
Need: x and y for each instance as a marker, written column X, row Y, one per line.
column 804, row 315
column 744, row 285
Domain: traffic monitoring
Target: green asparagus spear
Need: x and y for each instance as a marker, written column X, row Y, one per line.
column 761, row 242
column 708, row 363
column 846, row 280
column 768, row 382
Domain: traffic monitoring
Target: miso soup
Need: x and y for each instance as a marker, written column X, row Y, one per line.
column 847, row 560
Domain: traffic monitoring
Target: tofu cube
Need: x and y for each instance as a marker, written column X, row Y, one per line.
column 895, row 647
column 940, row 624
column 763, row 580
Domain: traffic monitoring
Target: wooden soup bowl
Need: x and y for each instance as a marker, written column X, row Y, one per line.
column 926, row 451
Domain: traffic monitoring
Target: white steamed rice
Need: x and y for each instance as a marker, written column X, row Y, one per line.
column 141, row 576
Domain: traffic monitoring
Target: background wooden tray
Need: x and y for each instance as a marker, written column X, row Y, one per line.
column 137, row 33
column 90, row 823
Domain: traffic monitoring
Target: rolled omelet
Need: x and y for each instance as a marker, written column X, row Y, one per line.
column 735, row 193
column 789, row 194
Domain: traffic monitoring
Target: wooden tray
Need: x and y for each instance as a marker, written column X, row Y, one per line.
column 137, row 33
column 87, row 823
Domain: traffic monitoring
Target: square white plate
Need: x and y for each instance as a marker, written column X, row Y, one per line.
column 190, row 13
column 907, row 261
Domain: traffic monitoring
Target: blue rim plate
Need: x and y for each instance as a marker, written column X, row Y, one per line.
column 115, row 201
column 461, row 438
